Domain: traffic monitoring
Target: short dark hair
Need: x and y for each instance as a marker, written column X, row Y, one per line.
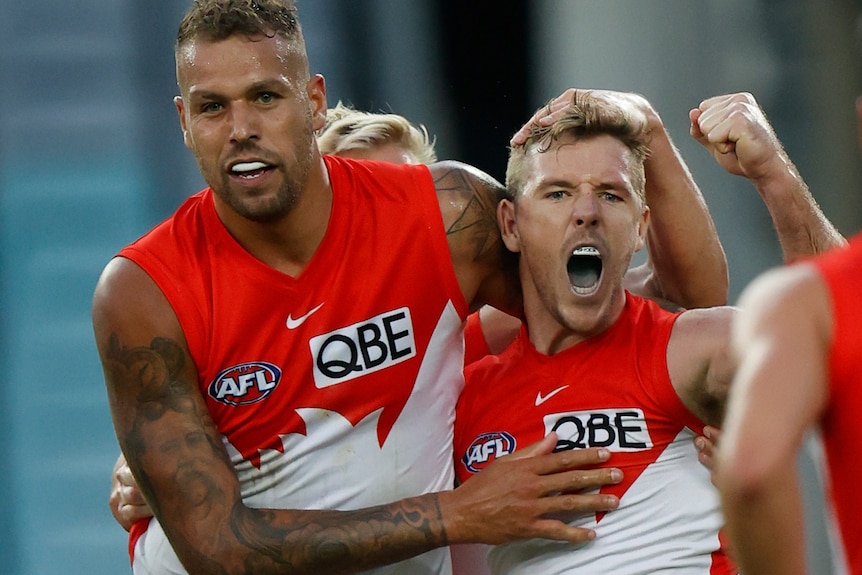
column 220, row 19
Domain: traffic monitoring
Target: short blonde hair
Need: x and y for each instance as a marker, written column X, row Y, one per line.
column 586, row 117
column 348, row 129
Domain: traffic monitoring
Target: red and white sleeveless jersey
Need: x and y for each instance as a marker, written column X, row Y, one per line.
column 841, row 270
column 475, row 344
column 335, row 389
column 612, row 390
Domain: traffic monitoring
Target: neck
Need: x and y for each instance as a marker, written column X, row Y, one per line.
column 288, row 243
column 553, row 332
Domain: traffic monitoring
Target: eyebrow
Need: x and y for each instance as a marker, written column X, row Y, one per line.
column 265, row 85
column 603, row 185
column 259, row 86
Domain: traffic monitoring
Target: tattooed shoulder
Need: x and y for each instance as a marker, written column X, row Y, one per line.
column 468, row 200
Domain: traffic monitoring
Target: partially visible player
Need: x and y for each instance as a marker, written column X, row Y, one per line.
column 352, row 133
column 799, row 355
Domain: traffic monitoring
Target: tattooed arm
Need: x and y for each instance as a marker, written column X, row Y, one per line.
column 486, row 270
column 178, row 458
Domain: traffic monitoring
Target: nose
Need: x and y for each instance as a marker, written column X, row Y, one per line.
column 244, row 122
column 585, row 211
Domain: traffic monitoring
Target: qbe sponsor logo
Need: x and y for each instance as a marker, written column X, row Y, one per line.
column 245, row 383
column 486, row 448
column 362, row 348
column 616, row 429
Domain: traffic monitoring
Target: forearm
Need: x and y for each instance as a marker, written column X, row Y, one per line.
column 688, row 262
column 337, row 542
column 183, row 469
column 196, row 497
column 766, row 525
column 199, row 506
column 801, row 226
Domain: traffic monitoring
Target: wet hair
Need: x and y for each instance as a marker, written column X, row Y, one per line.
column 587, row 116
column 215, row 20
column 348, row 129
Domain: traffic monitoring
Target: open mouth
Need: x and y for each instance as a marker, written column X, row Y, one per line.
column 249, row 169
column 585, row 269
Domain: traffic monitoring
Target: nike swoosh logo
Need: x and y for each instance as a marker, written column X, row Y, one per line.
column 295, row 323
column 540, row 400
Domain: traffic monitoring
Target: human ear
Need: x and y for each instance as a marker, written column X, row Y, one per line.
column 180, row 105
column 316, row 90
column 643, row 226
column 508, row 225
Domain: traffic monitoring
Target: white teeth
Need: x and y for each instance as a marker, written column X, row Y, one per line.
column 248, row 167
column 586, row 251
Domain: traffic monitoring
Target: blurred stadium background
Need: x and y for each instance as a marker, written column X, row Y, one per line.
column 91, row 156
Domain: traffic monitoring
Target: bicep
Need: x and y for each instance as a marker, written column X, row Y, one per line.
column 699, row 362
column 144, row 355
column 160, row 416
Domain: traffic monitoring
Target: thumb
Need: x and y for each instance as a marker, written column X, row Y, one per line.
column 726, row 147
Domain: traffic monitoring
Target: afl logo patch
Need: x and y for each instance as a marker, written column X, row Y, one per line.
column 486, row 448
column 245, row 383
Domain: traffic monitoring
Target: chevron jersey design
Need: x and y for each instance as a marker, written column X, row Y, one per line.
column 352, row 404
column 612, row 390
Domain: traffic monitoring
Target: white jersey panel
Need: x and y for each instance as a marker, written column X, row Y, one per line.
column 339, row 466
column 673, row 508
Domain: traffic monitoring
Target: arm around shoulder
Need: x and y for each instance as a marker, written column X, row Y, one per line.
column 486, row 271
column 181, row 465
column 686, row 261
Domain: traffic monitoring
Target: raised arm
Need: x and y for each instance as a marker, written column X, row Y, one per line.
column 181, row 465
column 734, row 129
column 780, row 341
column 686, row 264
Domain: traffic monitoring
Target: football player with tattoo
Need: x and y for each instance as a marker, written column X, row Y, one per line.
column 283, row 355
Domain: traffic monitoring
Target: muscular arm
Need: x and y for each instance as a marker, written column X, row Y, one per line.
column 780, row 339
column 699, row 363
column 178, row 459
column 181, row 465
column 734, row 129
column 487, row 272
column 687, row 264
